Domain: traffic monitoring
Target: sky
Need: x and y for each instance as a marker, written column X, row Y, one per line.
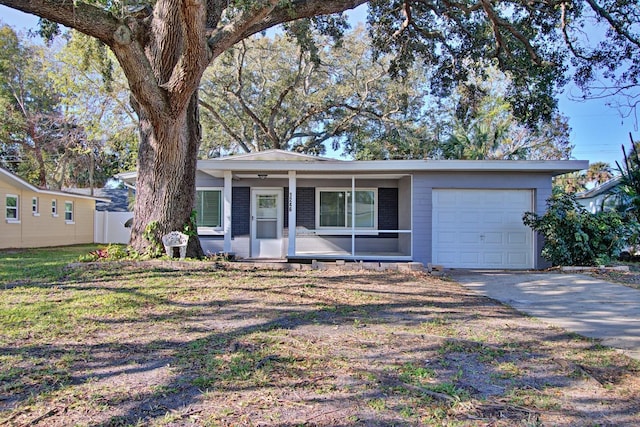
column 597, row 131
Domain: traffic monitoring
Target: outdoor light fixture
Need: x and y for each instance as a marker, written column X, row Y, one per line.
column 262, row 175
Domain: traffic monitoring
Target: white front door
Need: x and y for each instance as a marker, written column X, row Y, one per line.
column 266, row 223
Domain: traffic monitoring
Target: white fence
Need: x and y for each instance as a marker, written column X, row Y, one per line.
column 108, row 227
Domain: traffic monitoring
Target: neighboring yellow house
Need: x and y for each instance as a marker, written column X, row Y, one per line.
column 33, row 217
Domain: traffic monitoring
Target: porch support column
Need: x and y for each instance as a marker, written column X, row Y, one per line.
column 291, row 252
column 353, row 215
column 226, row 211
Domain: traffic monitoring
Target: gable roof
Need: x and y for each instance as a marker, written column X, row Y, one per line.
column 112, row 199
column 24, row 185
column 605, row 187
column 275, row 155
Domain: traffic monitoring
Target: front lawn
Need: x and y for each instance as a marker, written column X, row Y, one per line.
column 167, row 343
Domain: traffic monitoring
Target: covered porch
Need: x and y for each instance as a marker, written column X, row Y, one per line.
column 286, row 211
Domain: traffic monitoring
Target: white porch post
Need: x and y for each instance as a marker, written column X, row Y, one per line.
column 226, row 211
column 291, row 252
column 353, row 215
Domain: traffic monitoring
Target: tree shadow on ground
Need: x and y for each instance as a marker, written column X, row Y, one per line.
column 290, row 349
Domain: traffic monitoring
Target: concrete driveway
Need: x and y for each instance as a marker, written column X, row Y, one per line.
column 575, row 302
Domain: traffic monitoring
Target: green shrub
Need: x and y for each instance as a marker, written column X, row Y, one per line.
column 574, row 236
column 110, row 253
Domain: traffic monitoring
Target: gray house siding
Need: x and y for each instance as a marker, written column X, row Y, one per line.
column 205, row 180
column 422, row 213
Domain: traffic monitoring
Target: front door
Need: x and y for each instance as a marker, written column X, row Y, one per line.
column 266, row 223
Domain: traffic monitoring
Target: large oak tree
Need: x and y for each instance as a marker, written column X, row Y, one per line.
column 164, row 46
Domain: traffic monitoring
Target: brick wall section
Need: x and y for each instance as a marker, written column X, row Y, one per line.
column 240, row 211
column 305, row 208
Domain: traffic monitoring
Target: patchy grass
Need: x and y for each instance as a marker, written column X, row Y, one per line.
column 38, row 265
column 164, row 343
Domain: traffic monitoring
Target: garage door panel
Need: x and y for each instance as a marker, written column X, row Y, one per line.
column 514, row 238
column 517, row 257
column 482, row 228
column 445, row 216
column 493, row 259
column 493, row 238
column 447, row 237
column 472, row 258
column 469, row 238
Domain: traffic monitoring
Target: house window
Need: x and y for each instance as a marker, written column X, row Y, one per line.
column 334, row 208
column 54, row 207
column 68, row 212
column 35, row 206
column 12, row 213
column 208, row 210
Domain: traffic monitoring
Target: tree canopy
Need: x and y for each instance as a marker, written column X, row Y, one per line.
column 270, row 92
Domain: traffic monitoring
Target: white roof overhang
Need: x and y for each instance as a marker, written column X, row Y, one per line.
column 334, row 168
column 552, row 167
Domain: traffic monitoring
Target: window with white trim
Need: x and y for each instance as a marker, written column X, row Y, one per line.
column 54, row 207
column 334, row 208
column 35, row 206
column 68, row 212
column 12, row 213
column 208, row 208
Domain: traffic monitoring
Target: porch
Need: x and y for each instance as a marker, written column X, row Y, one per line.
column 300, row 215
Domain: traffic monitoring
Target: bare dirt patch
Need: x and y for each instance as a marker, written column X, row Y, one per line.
column 202, row 346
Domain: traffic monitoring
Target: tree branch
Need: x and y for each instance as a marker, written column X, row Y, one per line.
column 237, row 138
column 616, row 24
column 86, row 18
column 275, row 13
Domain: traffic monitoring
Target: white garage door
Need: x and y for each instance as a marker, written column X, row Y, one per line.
column 482, row 229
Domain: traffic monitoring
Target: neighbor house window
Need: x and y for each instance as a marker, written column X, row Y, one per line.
column 68, row 212
column 208, row 210
column 54, row 207
column 334, row 208
column 35, row 206
column 12, row 213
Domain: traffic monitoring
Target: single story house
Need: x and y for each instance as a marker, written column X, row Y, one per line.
column 455, row 213
column 602, row 197
column 34, row 217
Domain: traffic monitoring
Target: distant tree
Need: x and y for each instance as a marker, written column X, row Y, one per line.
column 33, row 129
column 570, row 183
column 481, row 123
column 271, row 92
column 93, row 91
column 599, row 173
column 53, row 123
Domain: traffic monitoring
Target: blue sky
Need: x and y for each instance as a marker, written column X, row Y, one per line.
column 597, row 130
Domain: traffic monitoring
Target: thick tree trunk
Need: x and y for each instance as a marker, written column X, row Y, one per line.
column 165, row 188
